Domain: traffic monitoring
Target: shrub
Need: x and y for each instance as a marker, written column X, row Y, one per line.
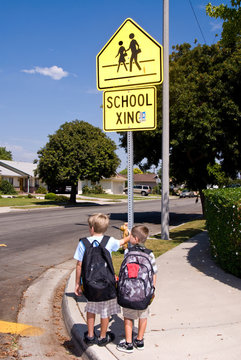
column 30, row 196
column 57, row 198
column 157, row 189
column 62, row 198
column 41, row 190
column 7, row 188
column 86, row 189
column 98, row 189
column 223, row 215
column 51, row 196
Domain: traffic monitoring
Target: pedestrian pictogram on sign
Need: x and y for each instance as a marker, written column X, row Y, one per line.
column 131, row 57
column 129, row 110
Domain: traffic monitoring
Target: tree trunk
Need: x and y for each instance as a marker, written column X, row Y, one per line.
column 202, row 198
column 73, row 194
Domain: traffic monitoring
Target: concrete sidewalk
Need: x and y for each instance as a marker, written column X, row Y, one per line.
column 196, row 313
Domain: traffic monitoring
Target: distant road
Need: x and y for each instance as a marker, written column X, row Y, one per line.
column 39, row 239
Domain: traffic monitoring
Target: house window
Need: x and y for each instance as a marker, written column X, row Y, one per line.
column 10, row 180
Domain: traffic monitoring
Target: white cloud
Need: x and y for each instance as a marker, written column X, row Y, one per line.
column 55, row 72
column 20, row 153
column 215, row 26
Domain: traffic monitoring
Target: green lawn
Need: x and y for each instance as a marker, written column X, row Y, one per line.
column 119, row 197
column 158, row 246
column 25, row 201
column 104, row 196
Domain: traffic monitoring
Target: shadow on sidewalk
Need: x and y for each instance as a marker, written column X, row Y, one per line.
column 199, row 257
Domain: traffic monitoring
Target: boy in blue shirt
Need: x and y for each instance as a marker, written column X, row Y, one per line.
column 98, row 224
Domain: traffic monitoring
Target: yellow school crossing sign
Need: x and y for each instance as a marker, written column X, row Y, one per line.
column 130, row 58
column 129, row 109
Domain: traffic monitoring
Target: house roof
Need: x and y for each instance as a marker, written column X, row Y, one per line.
column 18, row 167
column 145, row 178
column 6, row 172
column 116, row 177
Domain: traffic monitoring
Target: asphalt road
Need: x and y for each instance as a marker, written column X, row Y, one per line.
column 36, row 240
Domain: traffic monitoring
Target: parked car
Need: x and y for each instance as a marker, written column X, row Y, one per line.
column 143, row 190
column 63, row 190
column 234, row 185
column 186, row 193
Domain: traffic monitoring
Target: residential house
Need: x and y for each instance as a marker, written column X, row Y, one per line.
column 112, row 185
column 146, row 179
column 20, row 175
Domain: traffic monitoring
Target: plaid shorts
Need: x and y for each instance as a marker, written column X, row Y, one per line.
column 104, row 308
column 135, row 314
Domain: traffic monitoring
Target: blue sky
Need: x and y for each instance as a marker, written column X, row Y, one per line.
column 48, row 60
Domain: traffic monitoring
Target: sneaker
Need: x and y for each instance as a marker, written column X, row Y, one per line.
column 108, row 338
column 125, row 346
column 139, row 344
column 89, row 340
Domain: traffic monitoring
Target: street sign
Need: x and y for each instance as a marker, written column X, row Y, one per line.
column 129, row 109
column 131, row 57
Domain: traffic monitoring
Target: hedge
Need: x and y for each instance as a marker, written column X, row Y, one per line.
column 56, row 198
column 223, row 219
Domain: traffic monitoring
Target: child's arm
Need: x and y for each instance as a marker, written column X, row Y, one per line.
column 78, row 290
column 126, row 235
column 154, row 280
column 125, row 240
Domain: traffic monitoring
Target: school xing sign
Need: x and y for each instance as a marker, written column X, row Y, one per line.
column 132, row 109
column 130, row 58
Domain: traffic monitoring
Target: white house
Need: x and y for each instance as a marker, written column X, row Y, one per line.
column 113, row 185
column 20, row 175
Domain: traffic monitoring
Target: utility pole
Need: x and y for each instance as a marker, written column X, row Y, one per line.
column 165, row 126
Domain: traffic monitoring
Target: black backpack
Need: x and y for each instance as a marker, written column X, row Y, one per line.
column 98, row 276
column 135, row 286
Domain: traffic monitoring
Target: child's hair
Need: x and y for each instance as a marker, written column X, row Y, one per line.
column 99, row 222
column 141, row 232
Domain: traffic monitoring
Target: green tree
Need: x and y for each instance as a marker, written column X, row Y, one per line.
column 205, row 116
column 4, row 154
column 135, row 171
column 76, row 151
column 231, row 16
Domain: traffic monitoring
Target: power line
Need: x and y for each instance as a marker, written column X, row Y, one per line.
column 197, row 21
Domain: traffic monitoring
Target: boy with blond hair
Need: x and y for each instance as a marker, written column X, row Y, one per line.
column 98, row 224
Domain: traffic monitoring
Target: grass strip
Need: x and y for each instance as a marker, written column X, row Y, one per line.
column 178, row 235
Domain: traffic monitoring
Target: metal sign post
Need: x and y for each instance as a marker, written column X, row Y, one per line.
column 165, row 126
column 130, row 179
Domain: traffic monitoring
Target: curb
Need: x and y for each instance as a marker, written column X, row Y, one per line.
column 75, row 323
column 38, row 299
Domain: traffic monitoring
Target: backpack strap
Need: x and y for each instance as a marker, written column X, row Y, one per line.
column 104, row 241
column 140, row 248
column 86, row 242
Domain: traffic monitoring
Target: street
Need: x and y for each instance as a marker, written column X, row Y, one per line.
column 36, row 240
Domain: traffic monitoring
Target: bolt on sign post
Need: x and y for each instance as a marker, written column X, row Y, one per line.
column 128, row 68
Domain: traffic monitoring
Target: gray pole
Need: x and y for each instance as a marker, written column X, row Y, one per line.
column 130, row 179
column 165, row 125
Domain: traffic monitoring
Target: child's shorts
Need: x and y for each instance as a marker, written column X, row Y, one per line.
column 104, row 308
column 135, row 314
